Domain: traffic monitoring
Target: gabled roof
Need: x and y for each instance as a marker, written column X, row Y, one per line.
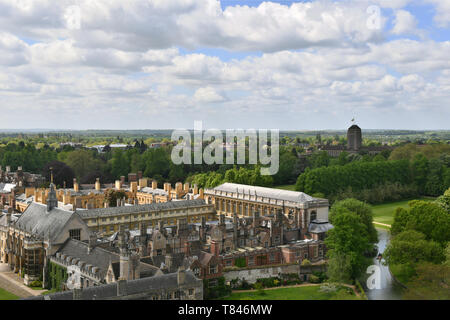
column 45, row 225
column 97, row 257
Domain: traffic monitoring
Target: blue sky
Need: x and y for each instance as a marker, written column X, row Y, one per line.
column 297, row 65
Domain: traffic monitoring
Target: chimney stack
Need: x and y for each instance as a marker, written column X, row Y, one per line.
column 181, row 276
column 121, row 287
column 92, row 241
column 118, row 185
column 154, row 184
column 215, row 247
column 76, row 187
column 97, row 184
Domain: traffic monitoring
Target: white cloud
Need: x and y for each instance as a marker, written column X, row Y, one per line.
column 404, row 23
column 208, row 94
column 128, row 65
column 442, row 16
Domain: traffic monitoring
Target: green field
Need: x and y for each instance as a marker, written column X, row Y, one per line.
column 384, row 213
column 295, row 293
column 5, row 295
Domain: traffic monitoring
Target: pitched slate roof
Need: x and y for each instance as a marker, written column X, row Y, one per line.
column 97, row 257
column 45, row 225
column 107, row 291
column 100, row 212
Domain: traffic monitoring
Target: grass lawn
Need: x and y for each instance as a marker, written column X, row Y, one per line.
column 296, row 293
column 286, row 187
column 384, row 213
column 5, row 295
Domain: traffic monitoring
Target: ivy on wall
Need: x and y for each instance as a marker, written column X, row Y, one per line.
column 240, row 262
column 57, row 275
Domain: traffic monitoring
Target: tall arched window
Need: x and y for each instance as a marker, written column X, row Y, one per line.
column 313, row 215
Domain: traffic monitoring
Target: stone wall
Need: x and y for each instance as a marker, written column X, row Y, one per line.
column 251, row 275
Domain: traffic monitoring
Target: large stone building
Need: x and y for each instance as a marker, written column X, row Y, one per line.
column 354, row 144
column 354, row 138
column 298, row 208
column 36, row 234
column 107, row 220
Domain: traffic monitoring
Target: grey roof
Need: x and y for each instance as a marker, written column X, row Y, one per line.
column 6, row 187
column 141, row 208
column 319, row 226
column 271, row 193
column 98, row 257
column 14, row 218
column 164, row 282
column 45, row 225
column 156, row 191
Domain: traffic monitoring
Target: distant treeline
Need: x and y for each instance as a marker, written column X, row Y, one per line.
column 380, row 181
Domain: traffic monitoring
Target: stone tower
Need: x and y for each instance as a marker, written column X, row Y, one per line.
column 124, row 254
column 52, row 201
column 354, row 138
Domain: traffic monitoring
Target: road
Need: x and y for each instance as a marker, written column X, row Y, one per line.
column 390, row 290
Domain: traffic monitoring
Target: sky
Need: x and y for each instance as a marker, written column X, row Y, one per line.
column 162, row 64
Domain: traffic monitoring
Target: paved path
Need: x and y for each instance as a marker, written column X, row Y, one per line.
column 11, row 282
column 301, row 285
column 382, row 224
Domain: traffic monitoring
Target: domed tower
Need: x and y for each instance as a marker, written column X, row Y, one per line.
column 354, row 138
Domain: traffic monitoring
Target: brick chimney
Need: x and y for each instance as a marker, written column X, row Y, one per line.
column 154, row 184
column 215, row 247
column 187, row 249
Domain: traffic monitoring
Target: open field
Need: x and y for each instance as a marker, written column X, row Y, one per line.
column 5, row 295
column 294, row 293
column 384, row 213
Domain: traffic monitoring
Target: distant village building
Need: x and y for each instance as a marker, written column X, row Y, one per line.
column 354, row 144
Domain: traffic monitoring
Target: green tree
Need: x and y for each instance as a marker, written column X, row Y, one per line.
column 349, row 238
column 432, row 282
column 82, row 162
column 339, row 268
column 363, row 210
column 410, row 247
